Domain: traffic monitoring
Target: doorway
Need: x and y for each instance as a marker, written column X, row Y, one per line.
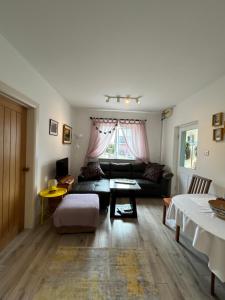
column 187, row 156
column 12, row 168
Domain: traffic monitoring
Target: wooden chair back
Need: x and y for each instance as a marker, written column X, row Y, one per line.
column 199, row 185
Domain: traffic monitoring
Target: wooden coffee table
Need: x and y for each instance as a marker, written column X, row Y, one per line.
column 123, row 190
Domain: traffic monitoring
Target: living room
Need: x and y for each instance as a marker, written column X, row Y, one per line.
column 156, row 63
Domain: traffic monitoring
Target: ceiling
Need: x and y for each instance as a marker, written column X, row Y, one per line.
column 164, row 50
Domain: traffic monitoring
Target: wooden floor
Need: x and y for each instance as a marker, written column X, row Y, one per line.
column 179, row 271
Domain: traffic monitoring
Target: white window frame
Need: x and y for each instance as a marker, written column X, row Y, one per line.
column 117, row 149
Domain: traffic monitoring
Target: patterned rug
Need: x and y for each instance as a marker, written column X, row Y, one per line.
column 97, row 274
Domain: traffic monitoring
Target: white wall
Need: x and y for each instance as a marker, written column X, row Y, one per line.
column 200, row 107
column 81, row 125
column 19, row 79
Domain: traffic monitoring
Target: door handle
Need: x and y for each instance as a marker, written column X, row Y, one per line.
column 26, row 169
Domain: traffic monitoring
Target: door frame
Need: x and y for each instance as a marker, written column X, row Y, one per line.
column 31, row 151
column 176, row 154
column 189, row 171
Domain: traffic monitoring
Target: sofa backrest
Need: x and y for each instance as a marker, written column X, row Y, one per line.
column 138, row 169
column 123, row 170
column 106, row 168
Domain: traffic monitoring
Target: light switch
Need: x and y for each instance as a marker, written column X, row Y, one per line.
column 206, row 153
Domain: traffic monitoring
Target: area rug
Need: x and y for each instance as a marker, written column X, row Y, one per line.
column 97, row 274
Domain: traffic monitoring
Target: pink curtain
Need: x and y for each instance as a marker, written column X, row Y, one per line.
column 100, row 136
column 136, row 138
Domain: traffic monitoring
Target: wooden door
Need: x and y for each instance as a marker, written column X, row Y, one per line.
column 12, row 162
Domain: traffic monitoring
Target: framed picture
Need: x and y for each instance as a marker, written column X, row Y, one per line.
column 67, row 134
column 218, row 134
column 217, row 119
column 53, row 127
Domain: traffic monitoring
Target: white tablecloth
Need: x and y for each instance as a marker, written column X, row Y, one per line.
column 207, row 232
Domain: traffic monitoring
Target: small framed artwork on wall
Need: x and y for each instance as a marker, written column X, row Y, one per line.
column 217, row 119
column 218, row 134
column 67, row 134
column 53, row 127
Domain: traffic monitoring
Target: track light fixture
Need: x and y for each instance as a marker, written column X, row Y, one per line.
column 127, row 99
column 138, row 101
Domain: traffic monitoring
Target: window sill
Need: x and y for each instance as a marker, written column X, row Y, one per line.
column 117, row 159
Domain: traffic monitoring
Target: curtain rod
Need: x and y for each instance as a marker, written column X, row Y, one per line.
column 93, row 118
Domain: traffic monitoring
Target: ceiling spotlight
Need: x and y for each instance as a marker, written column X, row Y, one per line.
column 138, row 101
column 127, row 100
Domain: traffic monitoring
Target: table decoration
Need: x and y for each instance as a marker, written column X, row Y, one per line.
column 218, row 207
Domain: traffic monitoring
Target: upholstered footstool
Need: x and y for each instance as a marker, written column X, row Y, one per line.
column 77, row 213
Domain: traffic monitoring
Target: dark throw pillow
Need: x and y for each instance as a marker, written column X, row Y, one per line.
column 153, row 172
column 92, row 171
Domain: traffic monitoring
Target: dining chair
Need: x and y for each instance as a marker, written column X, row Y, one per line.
column 198, row 185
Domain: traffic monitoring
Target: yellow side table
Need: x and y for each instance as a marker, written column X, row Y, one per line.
column 47, row 194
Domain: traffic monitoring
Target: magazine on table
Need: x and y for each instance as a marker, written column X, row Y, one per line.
column 125, row 181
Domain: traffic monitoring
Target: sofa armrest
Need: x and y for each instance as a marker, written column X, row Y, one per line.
column 167, row 175
column 80, row 178
column 166, row 184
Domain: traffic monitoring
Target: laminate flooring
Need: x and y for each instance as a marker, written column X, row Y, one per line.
column 179, row 271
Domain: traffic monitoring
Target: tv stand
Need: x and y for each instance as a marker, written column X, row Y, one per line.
column 66, row 182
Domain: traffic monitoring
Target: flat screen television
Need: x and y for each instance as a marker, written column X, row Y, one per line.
column 62, row 168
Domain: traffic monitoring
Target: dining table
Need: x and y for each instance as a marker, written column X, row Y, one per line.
column 193, row 215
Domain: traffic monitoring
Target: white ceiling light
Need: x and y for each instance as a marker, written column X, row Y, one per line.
column 138, row 100
column 127, row 99
column 107, row 98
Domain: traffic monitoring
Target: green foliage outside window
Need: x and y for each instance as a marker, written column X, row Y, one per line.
column 110, row 149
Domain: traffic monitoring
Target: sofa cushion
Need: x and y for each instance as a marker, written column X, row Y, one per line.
column 139, row 167
column 99, row 186
column 92, row 171
column 148, row 188
column 121, row 167
column 121, row 175
column 106, row 168
column 121, row 170
column 84, row 186
column 167, row 175
column 144, row 182
column 138, row 170
column 153, row 172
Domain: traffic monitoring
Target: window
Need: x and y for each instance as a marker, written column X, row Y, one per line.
column 188, row 148
column 117, row 148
